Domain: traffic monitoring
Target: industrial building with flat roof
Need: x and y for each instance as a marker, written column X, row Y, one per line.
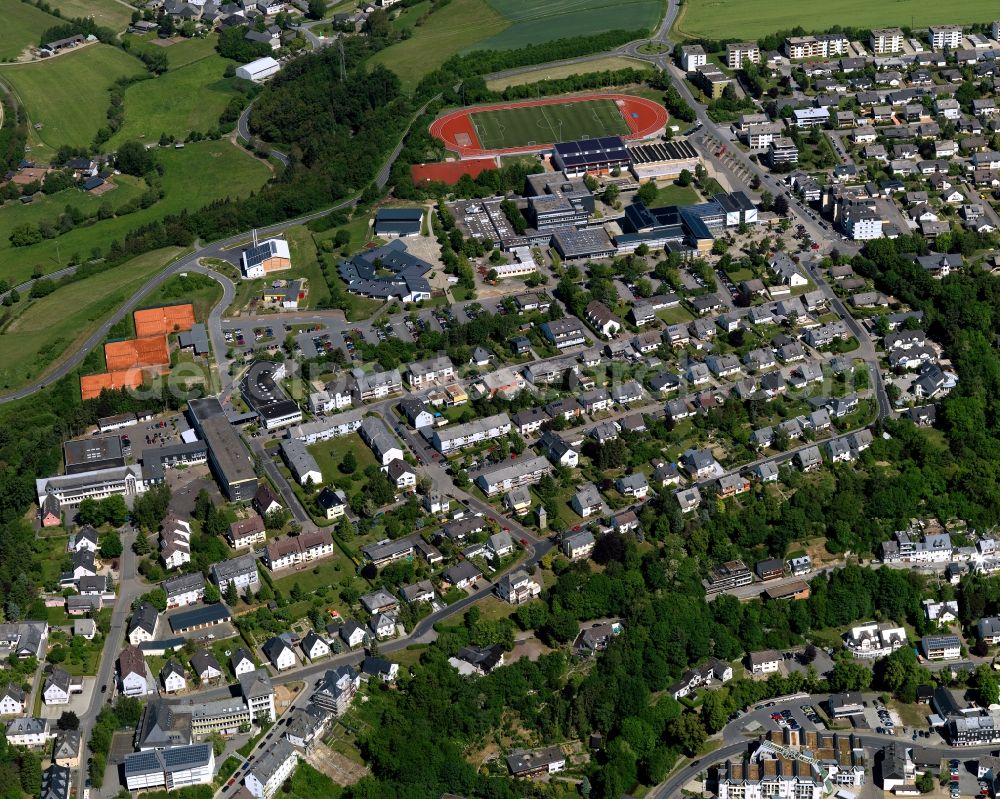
column 663, row 159
column 572, row 243
column 91, row 454
column 229, row 459
column 397, row 222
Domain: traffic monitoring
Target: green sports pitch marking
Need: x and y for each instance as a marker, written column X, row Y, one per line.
column 523, row 126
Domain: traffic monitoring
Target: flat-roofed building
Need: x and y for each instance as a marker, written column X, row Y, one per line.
column 91, row 454
column 886, row 40
column 227, row 456
column 739, row 53
column 663, row 160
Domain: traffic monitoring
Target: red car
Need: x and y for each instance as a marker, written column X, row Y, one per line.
column 524, row 542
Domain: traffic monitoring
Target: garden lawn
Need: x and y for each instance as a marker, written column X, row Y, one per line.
column 455, row 27
column 335, row 572
column 23, row 27
column 107, row 13
column 329, row 454
column 68, row 95
column 51, row 552
column 747, row 19
column 672, row 194
column 192, row 178
column 533, row 22
column 57, row 324
column 189, row 98
column 305, row 264
column 559, row 71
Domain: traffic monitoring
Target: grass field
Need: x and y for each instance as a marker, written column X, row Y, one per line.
column 408, row 16
column 55, row 324
column 565, row 70
column 533, row 22
column 108, row 13
column 746, row 19
column 517, row 127
column 192, row 177
column 23, row 25
column 68, row 95
column 178, row 53
column 188, row 98
column 455, row 27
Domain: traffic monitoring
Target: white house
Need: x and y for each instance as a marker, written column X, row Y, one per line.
column 314, row 647
column 279, row 653
column 766, row 662
column 56, row 689
column 28, row 731
column 499, row 545
column 172, row 677
column 353, row 634
column 132, row 672
column 941, row 612
column 383, row 625
column 12, row 701
column 241, row 662
column 271, row 770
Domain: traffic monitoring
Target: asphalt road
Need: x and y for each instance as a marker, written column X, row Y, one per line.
column 243, row 131
column 129, row 590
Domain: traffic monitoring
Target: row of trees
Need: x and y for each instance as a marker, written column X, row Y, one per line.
column 474, row 89
column 483, row 62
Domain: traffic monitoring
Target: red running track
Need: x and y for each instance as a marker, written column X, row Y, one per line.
column 644, row 117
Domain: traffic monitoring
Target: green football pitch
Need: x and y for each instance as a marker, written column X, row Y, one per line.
column 546, row 124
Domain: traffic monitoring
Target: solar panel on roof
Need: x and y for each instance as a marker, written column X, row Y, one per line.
column 186, row 755
column 140, row 762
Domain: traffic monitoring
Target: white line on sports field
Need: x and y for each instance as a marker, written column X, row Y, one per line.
column 552, row 130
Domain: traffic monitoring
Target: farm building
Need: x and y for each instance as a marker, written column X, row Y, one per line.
column 259, row 70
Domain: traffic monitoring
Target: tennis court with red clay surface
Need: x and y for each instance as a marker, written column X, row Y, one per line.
column 645, row 118
column 136, row 352
column 92, row 385
column 165, row 319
